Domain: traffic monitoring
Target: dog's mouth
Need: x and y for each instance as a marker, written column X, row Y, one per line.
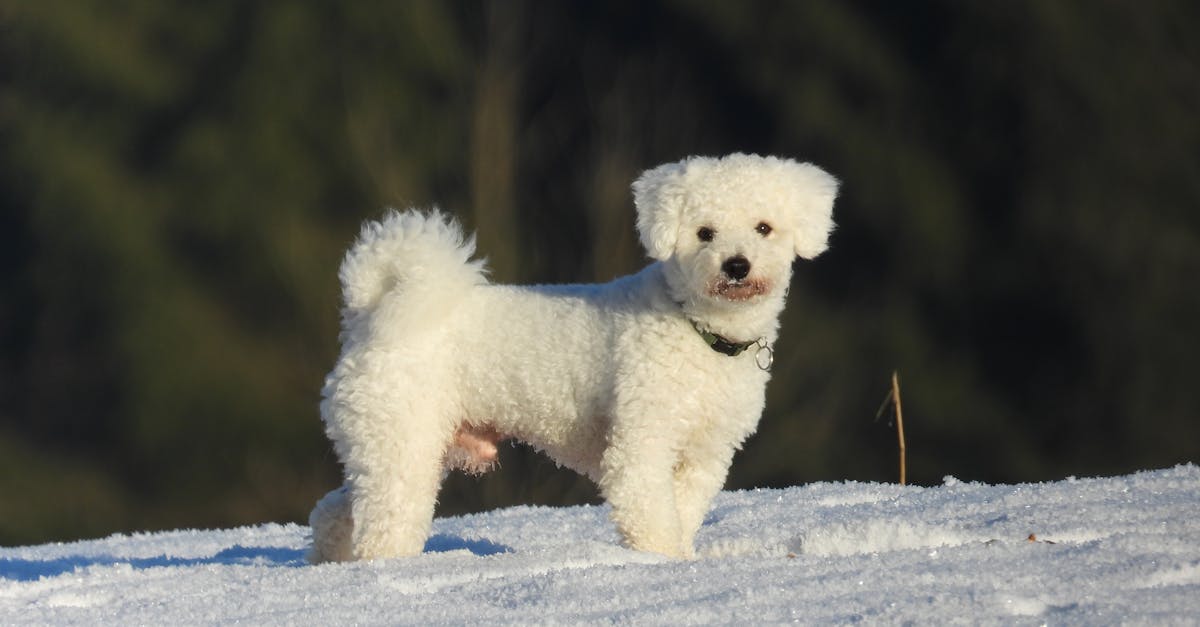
column 739, row 290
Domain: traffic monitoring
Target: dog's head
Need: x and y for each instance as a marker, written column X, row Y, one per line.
column 728, row 228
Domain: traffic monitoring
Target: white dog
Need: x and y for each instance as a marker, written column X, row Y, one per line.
column 647, row 384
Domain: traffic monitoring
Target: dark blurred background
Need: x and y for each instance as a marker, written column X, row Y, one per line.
column 1019, row 227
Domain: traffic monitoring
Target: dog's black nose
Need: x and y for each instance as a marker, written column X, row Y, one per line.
column 736, row 268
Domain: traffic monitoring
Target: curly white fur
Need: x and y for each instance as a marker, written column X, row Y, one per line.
column 611, row 380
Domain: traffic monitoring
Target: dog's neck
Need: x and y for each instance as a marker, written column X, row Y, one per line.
column 737, row 322
column 733, row 321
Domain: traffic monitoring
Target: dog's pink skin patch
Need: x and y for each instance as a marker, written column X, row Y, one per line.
column 479, row 442
column 475, row 449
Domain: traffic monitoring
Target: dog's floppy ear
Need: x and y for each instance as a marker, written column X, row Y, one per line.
column 659, row 198
column 813, row 215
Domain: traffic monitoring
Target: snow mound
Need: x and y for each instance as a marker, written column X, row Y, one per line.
column 1080, row 551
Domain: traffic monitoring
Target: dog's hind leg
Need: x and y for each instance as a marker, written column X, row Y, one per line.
column 331, row 528
column 394, row 490
column 391, row 433
column 389, row 404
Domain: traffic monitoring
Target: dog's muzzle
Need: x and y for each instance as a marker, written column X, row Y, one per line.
column 734, row 284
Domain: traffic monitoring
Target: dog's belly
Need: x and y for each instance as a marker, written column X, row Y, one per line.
column 539, row 370
column 551, row 411
column 571, row 437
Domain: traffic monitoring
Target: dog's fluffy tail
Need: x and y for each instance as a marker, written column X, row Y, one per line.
column 407, row 252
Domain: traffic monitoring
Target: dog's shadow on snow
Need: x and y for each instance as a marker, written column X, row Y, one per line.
column 442, row 543
column 14, row 569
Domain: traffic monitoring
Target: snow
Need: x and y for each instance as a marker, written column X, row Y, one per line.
column 1080, row 551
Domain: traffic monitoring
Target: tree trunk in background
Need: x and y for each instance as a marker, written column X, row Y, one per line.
column 493, row 151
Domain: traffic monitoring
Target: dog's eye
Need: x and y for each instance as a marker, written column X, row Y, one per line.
column 705, row 234
column 763, row 229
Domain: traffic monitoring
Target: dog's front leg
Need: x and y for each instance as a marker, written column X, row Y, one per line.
column 699, row 475
column 636, row 478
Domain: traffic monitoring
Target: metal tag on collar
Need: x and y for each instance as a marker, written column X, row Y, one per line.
column 764, row 357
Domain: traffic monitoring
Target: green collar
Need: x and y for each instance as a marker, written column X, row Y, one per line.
column 720, row 344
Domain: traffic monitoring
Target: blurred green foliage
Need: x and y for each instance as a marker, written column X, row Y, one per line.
column 1019, row 226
